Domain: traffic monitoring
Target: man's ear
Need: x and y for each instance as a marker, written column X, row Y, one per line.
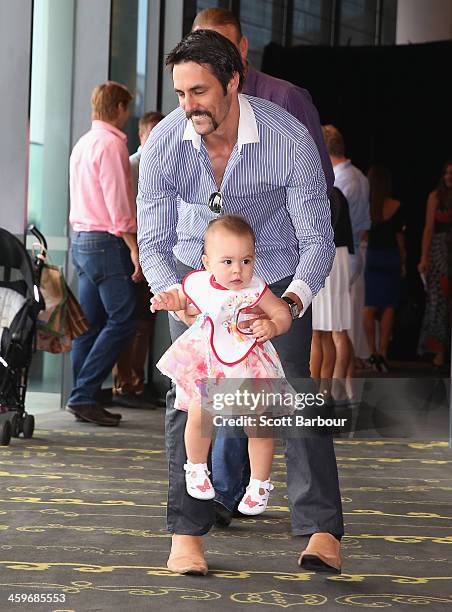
column 233, row 84
column 205, row 262
column 243, row 48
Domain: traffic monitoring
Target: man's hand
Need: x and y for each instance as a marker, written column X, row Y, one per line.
column 137, row 275
column 263, row 330
column 131, row 241
column 255, row 313
column 252, row 314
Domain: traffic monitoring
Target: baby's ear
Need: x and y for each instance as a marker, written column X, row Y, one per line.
column 205, row 262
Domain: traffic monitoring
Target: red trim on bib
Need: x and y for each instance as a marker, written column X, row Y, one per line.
column 215, row 285
column 212, row 327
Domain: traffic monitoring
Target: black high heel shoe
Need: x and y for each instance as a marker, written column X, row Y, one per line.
column 379, row 363
column 383, row 364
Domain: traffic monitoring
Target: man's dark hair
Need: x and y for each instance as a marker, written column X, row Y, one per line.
column 208, row 48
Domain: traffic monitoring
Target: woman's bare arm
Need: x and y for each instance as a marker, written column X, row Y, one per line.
column 432, row 203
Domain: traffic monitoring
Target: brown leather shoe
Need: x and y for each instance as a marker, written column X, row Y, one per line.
column 187, row 555
column 132, row 400
column 322, row 554
column 111, row 415
column 92, row 413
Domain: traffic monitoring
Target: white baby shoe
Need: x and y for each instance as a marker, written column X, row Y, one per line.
column 197, row 481
column 256, row 497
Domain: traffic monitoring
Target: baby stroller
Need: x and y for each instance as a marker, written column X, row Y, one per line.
column 20, row 303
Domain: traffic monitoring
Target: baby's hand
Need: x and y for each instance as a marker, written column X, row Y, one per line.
column 263, row 330
column 166, row 300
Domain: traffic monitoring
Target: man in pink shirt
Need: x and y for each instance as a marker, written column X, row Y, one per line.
column 104, row 249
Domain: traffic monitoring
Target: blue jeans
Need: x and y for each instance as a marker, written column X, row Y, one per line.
column 230, row 466
column 108, row 299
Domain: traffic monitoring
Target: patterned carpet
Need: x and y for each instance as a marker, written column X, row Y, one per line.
column 82, row 523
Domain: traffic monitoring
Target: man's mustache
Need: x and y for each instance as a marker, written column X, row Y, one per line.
column 199, row 113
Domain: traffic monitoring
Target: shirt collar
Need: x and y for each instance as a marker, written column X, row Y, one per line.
column 339, row 167
column 104, row 125
column 247, row 131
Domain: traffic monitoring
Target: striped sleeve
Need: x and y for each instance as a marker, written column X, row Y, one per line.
column 309, row 210
column 157, row 221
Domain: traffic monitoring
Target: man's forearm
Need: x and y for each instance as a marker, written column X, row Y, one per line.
column 130, row 240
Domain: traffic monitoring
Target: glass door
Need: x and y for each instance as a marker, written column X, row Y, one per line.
column 50, row 130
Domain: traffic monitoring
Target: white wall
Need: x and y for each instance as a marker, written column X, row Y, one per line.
column 172, row 35
column 152, row 55
column 15, row 41
column 421, row 21
column 91, row 59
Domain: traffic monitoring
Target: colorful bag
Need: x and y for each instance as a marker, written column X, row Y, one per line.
column 63, row 319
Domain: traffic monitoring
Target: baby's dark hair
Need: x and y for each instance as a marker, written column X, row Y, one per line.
column 232, row 223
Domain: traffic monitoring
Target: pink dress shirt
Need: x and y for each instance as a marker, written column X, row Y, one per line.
column 101, row 182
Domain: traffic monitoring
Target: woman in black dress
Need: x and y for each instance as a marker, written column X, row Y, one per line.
column 435, row 268
column 385, row 264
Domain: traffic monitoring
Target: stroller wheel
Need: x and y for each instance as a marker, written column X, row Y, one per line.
column 28, row 425
column 16, row 426
column 5, row 433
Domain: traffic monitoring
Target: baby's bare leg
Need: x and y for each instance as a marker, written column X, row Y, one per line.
column 198, row 434
column 260, row 449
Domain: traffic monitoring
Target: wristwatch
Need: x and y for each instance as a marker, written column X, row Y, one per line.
column 293, row 306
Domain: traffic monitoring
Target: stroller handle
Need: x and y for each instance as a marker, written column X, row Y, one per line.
column 34, row 230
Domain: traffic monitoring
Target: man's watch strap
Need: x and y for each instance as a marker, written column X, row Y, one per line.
column 293, row 306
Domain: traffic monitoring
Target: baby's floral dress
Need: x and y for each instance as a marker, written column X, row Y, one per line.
column 214, row 348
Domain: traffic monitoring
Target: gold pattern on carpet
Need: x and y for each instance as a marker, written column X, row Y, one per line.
column 79, row 502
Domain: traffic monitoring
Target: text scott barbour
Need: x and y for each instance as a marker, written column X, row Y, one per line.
column 263, row 420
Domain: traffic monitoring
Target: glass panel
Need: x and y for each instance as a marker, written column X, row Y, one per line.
column 50, row 104
column 203, row 4
column 312, row 22
column 263, row 21
column 358, row 18
column 50, row 122
column 389, row 22
column 128, row 57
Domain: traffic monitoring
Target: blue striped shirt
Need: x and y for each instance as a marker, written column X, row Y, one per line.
column 274, row 179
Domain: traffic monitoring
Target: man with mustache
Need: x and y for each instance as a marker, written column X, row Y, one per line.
column 240, row 155
column 230, row 463
column 295, row 100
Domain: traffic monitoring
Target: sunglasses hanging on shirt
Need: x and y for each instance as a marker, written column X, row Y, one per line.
column 216, row 203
